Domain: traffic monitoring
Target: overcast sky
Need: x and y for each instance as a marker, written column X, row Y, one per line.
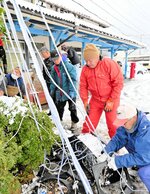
column 130, row 17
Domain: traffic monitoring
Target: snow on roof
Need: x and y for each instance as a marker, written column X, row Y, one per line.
column 27, row 5
column 70, row 17
column 77, row 9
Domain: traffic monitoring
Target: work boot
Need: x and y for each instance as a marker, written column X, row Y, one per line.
column 73, row 126
column 65, row 126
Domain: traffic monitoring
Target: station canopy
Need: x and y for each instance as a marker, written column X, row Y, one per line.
column 69, row 25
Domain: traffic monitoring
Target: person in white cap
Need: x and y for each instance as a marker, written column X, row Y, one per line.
column 134, row 135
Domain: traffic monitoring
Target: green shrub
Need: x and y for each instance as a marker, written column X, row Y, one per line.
column 23, row 143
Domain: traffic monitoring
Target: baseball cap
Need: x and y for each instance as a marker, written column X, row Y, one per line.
column 54, row 54
column 124, row 113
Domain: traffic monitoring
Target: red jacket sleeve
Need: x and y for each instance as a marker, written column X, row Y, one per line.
column 83, row 87
column 116, row 77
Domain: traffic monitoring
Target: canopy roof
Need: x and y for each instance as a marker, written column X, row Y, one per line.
column 80, row 29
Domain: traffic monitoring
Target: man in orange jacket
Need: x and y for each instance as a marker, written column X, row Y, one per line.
column 104, row 80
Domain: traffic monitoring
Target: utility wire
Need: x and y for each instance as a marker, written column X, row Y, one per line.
column 96, row 15
column 119, row 14
column 90, row 11
column 140, row 10
column 116, row 18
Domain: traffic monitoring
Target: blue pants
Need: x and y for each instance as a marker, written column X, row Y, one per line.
column 144, row 174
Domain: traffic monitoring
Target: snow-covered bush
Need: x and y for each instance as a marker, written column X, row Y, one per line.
column 24, row 138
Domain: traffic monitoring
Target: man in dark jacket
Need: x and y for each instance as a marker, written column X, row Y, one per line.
column 134, row 135
column 61, row 78
column 45, row 53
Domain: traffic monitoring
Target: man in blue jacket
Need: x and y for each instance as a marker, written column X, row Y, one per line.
column 61, row 78
column 134, row 135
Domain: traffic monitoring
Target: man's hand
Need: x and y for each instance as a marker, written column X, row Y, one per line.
column 111, row 163
column 109, row 105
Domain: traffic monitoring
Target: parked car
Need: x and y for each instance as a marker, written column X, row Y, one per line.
column 146, row 64
column 119, row 63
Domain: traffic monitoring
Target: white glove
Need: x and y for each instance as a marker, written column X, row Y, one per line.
column 112, row 164
column 102, row 158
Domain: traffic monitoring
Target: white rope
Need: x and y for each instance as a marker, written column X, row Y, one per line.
column 55, row 115
column 53, row 40
column 66, row 72
column 12, row 44
column 47, row 72
column 21, row 55
column 16, row 131
column 11, row 58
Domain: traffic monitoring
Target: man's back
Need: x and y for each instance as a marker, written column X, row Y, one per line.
column 73, row 56
column 48, row 63
column 45, row 53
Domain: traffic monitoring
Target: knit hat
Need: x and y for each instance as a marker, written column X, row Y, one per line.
column 124, row 112
column 90, row 52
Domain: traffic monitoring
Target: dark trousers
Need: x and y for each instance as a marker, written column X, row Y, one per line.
column 72, row 108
